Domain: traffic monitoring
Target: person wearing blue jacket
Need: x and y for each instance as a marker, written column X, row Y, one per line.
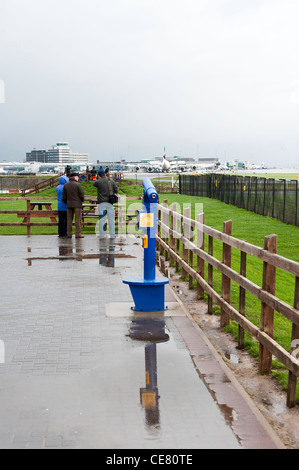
column 62, row 208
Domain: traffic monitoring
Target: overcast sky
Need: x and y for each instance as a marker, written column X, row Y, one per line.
column 124, row 78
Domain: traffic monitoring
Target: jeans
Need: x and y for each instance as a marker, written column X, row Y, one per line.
column 106, row 209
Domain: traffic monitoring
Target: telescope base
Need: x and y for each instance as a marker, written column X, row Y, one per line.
column 148, row 296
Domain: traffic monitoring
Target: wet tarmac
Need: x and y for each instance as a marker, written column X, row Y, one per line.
column 81, row 369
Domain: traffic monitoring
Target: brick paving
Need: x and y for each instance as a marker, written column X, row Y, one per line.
column 73, row 375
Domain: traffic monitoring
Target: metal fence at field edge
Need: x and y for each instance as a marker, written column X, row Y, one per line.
column 265, row 196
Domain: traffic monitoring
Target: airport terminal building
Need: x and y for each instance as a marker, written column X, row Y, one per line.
column 59, row 153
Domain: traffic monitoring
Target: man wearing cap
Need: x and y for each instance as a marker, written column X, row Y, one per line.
column 73, row 196
column 105, row 188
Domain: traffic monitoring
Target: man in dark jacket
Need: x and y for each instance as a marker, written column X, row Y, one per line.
column 105, row 188
column 73, row 196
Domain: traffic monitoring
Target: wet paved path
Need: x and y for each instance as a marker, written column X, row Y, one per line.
column 79, row 372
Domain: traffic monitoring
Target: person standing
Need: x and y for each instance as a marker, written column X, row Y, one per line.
column 93, row 174
column 68, row 170
column 105, row 188
column 62, row 208
column 73, row 196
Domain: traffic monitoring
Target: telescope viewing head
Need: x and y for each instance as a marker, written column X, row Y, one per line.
column 150, row 194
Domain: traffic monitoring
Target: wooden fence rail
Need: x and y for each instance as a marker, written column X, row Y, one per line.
column 123, row 216
column 175, row 231
column 36, row 187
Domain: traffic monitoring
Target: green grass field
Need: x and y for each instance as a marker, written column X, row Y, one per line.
column 251, row 228
column 245, row 226
column 288, row 176
column 277, row 176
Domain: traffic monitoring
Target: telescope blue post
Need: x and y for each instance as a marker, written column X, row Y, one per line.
column 150, row 201
column 148, row 291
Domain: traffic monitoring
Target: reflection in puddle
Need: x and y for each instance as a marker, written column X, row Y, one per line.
column 150, row 330
column 68, row 250
column 107, row 249
column 65, row 252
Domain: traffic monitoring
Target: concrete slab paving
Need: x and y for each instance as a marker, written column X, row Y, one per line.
column 81, row 370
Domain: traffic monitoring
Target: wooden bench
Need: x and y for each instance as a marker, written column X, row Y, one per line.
column 40, row 212
column 37, row 209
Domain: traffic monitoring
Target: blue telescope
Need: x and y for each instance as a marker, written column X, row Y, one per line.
column 150, row 194
column 148, row 291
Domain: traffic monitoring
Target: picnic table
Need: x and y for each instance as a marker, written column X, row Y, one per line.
column 41, row 205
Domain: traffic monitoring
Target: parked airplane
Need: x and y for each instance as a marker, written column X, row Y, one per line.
column 202, row 166
column 166, row 166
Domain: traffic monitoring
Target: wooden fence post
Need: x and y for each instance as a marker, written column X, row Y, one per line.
column 242, row 294
column 186, row 232
column 200, row 261
column 225, row 287
column 173, row 208
column 190, row 237
column 165, row 231
column 291, row 394
column 28, row 218
column 267, row 313
column 210, row 276
column 178, row 223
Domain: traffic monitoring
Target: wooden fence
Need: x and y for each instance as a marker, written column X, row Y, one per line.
column 46, row 183
column 41, row 208
column 174, row 235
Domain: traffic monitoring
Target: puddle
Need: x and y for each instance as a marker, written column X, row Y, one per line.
column 150, row 331
column 230, row 415
column 169, row 374
column 108, row 251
